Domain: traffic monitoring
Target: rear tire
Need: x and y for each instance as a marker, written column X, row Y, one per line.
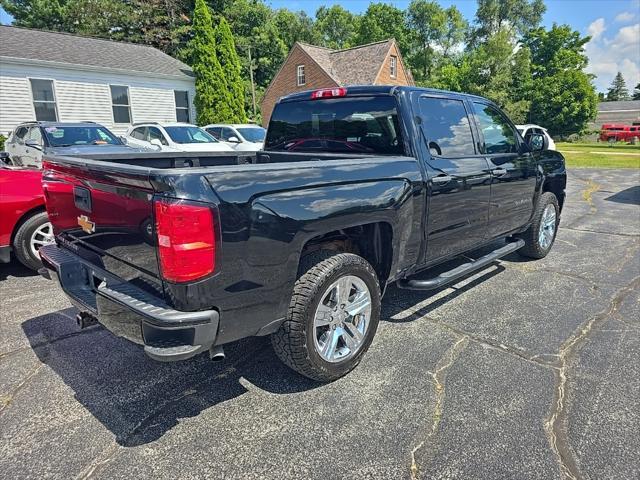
column 541, row 234
column 35, row 231
column 319, row 338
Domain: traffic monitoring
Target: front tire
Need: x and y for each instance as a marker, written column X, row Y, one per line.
column 541, row 234
column 332, row 318
column 35, row 232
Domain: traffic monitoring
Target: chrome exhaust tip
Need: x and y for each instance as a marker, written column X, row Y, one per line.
column 216, row 353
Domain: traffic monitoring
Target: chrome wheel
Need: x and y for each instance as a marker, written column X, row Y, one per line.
column 342, row 318
column 547, row 227
column 43, row 235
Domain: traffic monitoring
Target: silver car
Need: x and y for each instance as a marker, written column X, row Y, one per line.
column 29, row 141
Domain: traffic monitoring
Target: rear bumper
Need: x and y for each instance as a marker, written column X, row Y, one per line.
column 129, row 311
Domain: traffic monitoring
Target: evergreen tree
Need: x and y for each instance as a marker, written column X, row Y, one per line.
column 636, row 92
column 212, row 101
column 230, row 63
column 618, row 89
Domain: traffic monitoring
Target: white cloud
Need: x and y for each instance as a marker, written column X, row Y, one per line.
column 608, row 55
column 596, row 28
column 625, row 17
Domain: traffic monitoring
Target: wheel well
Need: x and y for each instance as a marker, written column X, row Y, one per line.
column 372, row 241
column 24, row 217
column 556, row 186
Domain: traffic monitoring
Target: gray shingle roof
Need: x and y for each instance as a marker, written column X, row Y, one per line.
column 621, row 105
column 93, row 52
column 352, row 66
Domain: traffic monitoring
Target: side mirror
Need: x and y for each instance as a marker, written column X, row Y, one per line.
column 157, row 143
column 538, row 142
column 4, row 158
column 234, row 139
column 123, row 139
column 33, row 144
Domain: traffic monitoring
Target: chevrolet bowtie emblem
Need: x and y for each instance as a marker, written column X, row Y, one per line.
column 86, row 224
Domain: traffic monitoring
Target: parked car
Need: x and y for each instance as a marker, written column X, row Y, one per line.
column 530, row 129
column 173, row 137
column 300, row 245
column 25, row 227
column 243, row 137
column 28, row 142
column 617, row 132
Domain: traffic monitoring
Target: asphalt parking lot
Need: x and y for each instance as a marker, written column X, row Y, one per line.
column 527, row 370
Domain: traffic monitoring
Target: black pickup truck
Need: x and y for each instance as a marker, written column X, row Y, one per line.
column 356, row 188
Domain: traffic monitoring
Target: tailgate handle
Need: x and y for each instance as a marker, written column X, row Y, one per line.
column 82, row 198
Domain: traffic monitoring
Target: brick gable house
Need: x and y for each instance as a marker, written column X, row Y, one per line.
column 309, row 67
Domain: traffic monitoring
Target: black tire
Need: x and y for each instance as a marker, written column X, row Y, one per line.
column 531, row 237
column 294, row 340
column 22, row 240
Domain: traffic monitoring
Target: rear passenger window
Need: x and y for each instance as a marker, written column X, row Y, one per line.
column 446, row 126
column 499, row 137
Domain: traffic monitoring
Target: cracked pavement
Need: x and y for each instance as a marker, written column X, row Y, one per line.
column 526, row 370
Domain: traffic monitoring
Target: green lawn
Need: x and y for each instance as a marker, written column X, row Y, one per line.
column 600, row 155
column 616, row 147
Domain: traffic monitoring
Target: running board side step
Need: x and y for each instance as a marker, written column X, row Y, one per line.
column 462, row 270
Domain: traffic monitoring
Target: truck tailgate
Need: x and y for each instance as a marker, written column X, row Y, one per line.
column 105, row 217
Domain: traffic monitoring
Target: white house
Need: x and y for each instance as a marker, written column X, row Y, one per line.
column 69, row 78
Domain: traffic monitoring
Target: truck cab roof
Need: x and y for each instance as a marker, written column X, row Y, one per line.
column 361, row 90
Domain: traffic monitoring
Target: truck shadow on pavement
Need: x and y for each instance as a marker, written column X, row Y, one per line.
column 399, row 305
column 139, row 400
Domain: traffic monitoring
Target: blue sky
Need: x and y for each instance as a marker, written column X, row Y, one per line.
column 613, row 24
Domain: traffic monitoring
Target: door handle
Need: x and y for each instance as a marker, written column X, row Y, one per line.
column 499, row 172
column 441, row 179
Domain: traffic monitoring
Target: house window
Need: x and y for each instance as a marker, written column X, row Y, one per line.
column 120, row 104
column 182, row 105
column 300, row 75
column 44, row 100
column 393, row 64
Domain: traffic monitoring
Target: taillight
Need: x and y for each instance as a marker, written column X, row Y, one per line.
column 329, row 93
column 186, row 239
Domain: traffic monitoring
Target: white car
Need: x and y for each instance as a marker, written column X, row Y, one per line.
column 530, row 128
column 241, row 137
column 173, row 137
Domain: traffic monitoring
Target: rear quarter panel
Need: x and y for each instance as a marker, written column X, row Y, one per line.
column 269, row 213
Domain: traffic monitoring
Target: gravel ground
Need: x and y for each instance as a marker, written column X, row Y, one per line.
column 528, row 369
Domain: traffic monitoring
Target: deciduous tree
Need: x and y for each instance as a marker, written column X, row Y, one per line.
column 516, row 17
column 563, row 98
column 382, row 21
column 335, row 26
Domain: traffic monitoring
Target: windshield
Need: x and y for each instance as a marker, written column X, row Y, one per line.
column 346, row 125
column 189, row 135
column 60, row 136
column 252, row 134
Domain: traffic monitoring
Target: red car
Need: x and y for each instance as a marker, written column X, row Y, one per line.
column 24, row 225
column 618, row 132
